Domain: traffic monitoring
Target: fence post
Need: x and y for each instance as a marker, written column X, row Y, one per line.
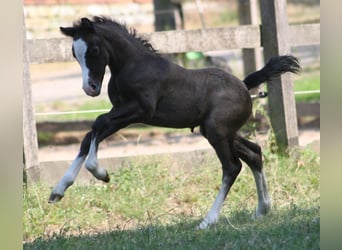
column 249, row 14
column 29, row 122
column 164, row 15
column 282, row 108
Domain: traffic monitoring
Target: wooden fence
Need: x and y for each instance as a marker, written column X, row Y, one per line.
column 274, row 35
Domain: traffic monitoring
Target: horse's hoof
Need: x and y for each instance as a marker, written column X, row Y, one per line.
column 263, row 210
column 55, row 198
column 106, row 179
column 203, row 225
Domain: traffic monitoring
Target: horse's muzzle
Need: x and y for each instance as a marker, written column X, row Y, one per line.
column 92, row 89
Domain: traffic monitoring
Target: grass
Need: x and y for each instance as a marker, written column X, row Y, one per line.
column 309, row 79
column 153, row 203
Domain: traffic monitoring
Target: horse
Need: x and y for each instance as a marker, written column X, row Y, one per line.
column 144, row 87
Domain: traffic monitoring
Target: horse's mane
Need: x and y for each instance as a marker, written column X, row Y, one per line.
column 130, row 33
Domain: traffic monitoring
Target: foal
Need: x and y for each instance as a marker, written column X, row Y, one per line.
column 146, row 88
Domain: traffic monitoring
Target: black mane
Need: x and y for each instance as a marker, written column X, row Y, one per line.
column 129, row 33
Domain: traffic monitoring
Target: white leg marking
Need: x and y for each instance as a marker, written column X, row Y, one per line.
column 213, row 214
column 67, row 179
column 92, row 163
column 264, row 202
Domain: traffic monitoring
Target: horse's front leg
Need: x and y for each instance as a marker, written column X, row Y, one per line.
column 71, row 174
column 88, row 147
column 91, row 163
column 106, row 125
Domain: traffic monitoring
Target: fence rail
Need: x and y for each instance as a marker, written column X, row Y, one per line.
column 245, row 36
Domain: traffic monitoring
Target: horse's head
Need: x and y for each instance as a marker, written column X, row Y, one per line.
column 90, row 51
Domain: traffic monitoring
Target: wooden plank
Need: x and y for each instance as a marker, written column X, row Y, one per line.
column 29, row 122
column 282, row 108
column 50, row 50
column 204, row 40
column 304, row 34
column 59, row 49
column 247, row 36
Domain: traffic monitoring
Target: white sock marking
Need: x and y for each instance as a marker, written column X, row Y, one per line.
column 69, row 176
column 214, row 212
column 92, row 163
column 264, row 202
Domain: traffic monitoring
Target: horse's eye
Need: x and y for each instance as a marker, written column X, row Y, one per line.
column 94, row 51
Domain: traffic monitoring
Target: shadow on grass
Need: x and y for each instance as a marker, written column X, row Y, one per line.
column 292, row 229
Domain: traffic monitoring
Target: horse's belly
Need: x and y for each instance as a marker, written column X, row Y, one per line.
column 176, row 117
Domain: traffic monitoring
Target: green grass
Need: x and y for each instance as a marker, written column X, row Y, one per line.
column 308, row 81
column 153, row 203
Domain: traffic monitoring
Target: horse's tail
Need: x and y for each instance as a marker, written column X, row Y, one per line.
column 274, row 67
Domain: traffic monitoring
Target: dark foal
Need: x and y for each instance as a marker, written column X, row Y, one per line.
column 146, row 88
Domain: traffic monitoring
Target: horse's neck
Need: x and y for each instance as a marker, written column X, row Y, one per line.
column 114, row 93
column 120, row 55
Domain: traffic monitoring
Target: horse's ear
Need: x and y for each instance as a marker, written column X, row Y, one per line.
column 69, row 31
column 87, row 24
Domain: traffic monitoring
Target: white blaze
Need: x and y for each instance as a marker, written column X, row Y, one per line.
column 80, row 50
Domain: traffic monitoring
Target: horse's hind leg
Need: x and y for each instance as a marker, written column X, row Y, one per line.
column 231, row 167
column 250, row 153
column 71, row 174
